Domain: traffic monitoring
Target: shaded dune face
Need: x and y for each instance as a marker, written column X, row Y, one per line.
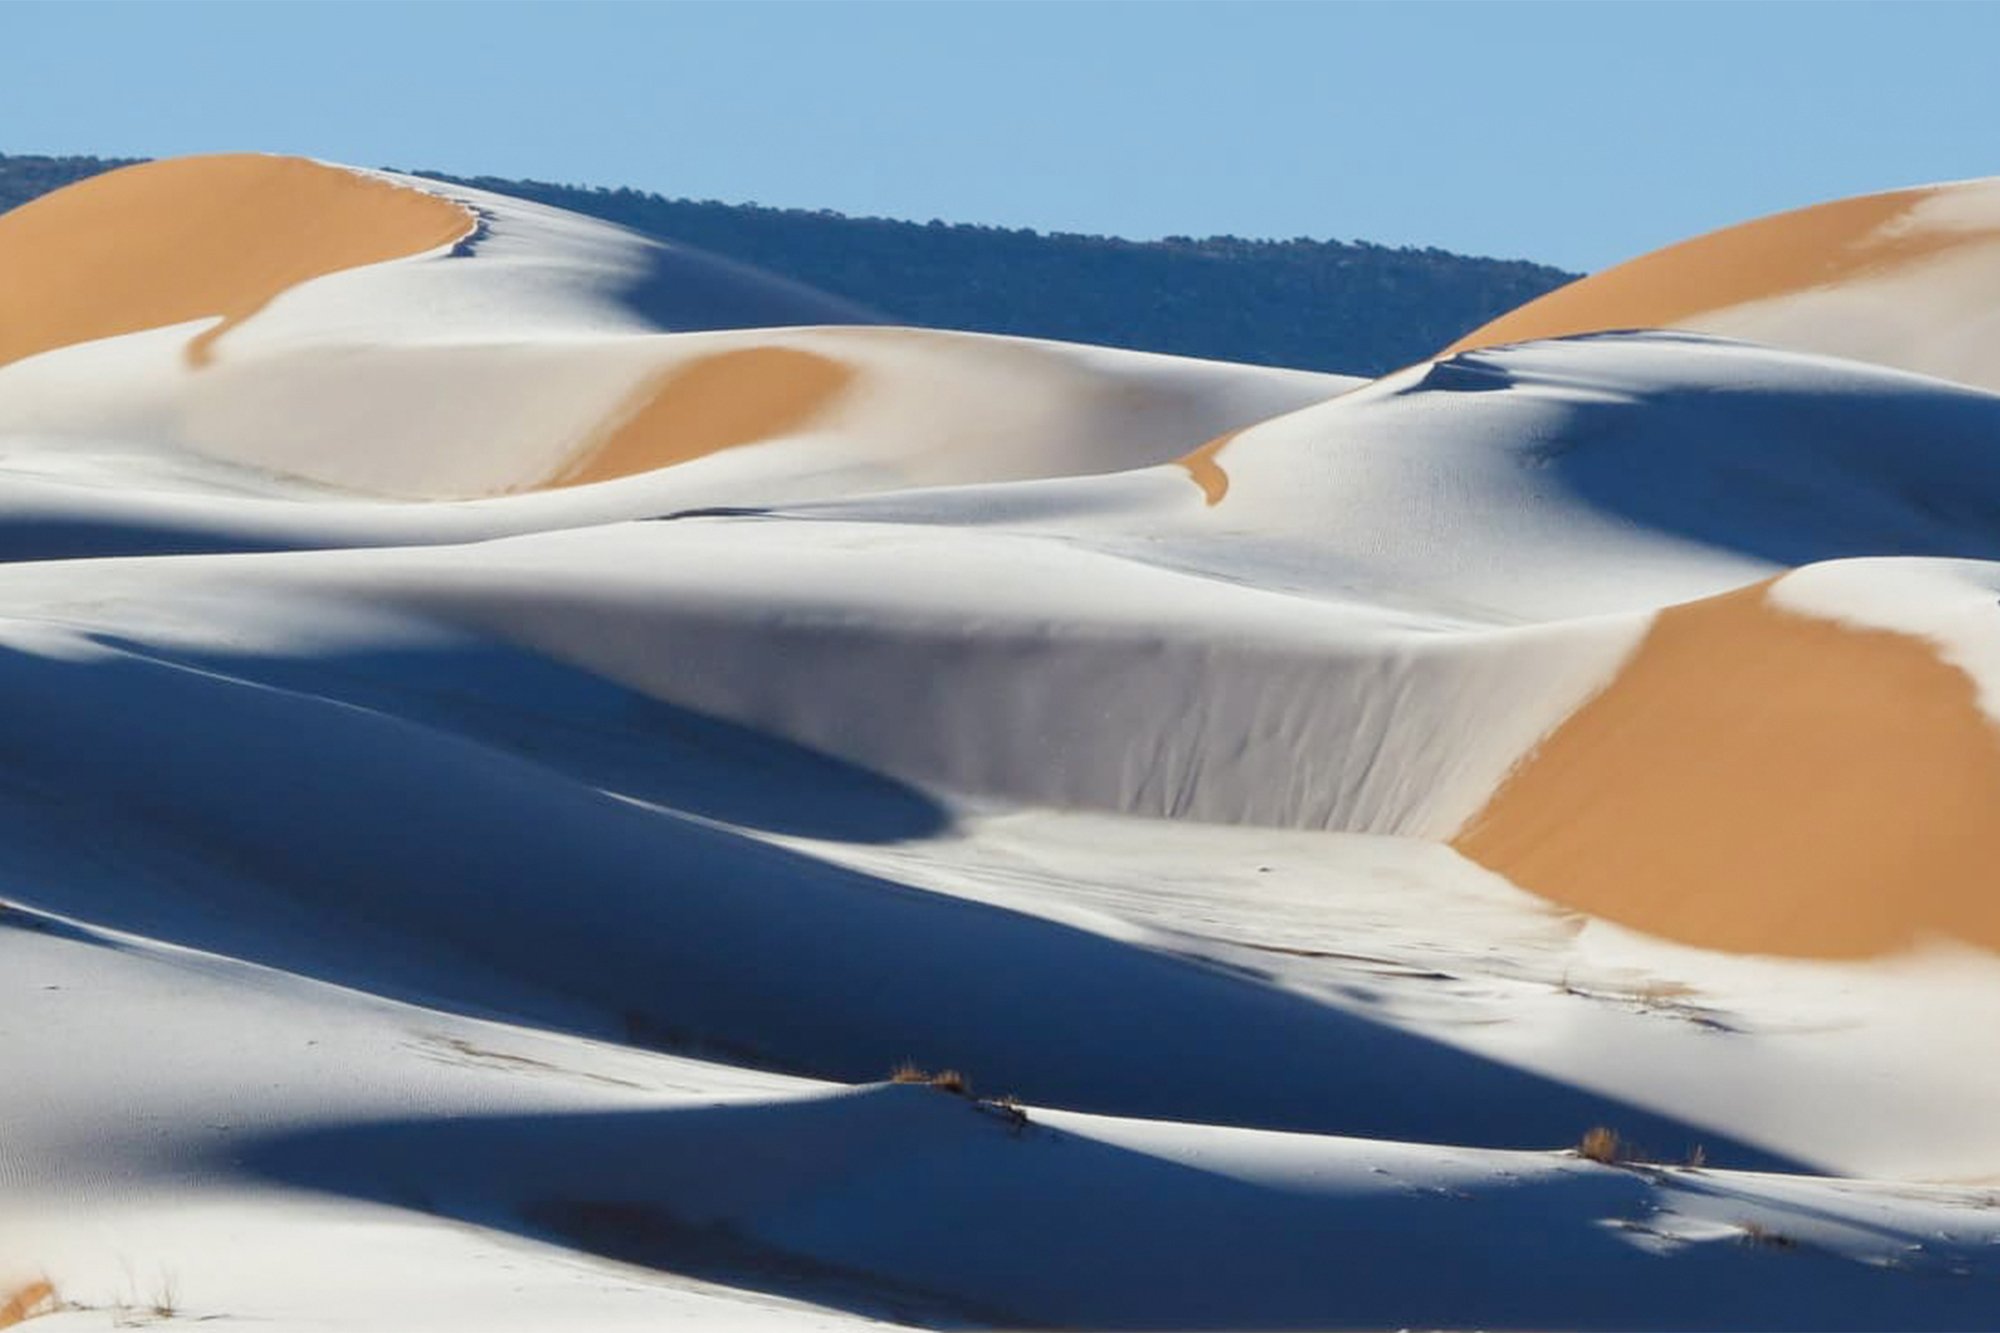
column 1761, row 781
column 1776, row 256
column 709, row 404
column 163, row 243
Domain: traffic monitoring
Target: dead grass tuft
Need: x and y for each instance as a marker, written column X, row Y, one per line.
column 945, row 1080
column 166, row 1298
column 1600, row 1144
column 1008, row 1109
column 1756, row 1233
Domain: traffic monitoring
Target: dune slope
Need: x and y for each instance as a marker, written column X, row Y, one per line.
column 1906, row 278
column 513, row 731
column 1768, row 781
column 161, row 244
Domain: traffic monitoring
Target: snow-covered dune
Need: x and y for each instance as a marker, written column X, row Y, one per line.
column 1906, row 278
column 512, row 730
column 393, row 336
column 1803, row 767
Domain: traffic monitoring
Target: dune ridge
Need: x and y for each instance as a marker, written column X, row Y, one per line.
column 164, row 243
column 1905, row 278
column 1735, row 265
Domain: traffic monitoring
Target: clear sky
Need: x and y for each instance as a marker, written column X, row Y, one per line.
column 1576, row 134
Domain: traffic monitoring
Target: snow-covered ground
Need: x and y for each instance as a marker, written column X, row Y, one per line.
column 497, row 769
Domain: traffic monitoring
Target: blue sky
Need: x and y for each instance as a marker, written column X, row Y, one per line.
column 1576, row 133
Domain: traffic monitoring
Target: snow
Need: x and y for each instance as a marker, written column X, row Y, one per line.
column 481, row 370
column 502, row 906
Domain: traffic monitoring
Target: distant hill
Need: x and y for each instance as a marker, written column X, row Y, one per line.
column 22, row 178
column 1319, row 305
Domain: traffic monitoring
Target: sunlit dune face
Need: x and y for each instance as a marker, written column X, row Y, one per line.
column 1208, row 473
column 709, row 404
column 1760, row 781
column 24, row 1303
column 197, row 238
column 1774, row 256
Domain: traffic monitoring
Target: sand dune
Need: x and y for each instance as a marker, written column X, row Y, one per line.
column 1907, row 278
column 1603, row 474
column 166, row 243
column 545, row 350
column 540, row 722
column 1756, row 779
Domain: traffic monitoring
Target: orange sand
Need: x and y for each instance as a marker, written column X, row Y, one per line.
column 1773, row 256
column 166, row 242
column 1208, row 473
column 24, row 1303
column 1760, row 781
column 709, row 404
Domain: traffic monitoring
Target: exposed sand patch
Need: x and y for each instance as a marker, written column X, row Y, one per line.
column 1761, row 781
column 1774, row 256
column 24, row 1303
column 709, row 404
column 162, row 243
column 1201, row 464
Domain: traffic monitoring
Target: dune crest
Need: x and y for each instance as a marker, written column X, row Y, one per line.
column 560, row 350
column 1906, row 278
column 1762, row 781
column 1751, row 261
column 162, row 243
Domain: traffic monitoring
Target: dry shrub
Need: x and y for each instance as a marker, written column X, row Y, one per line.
column 945, row 1080
column 166, row 1298
column 1010, row 1110
column 1600, row 1144
column 1756, row 1233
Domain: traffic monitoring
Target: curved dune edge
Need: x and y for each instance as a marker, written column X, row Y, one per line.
column 1201, row 465
column 24, row 1303
column 164, row 243
column 1773, row 256
column 1760, row 781
column 1204, row 462
column 709, row 404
